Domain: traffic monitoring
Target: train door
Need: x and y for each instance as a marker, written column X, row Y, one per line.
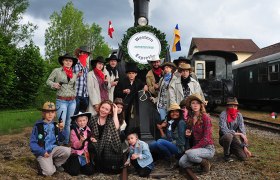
column 210, row 69
column 200, row 69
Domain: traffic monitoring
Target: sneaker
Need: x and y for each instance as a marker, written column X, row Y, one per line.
column 228, row 159
column 59, row 169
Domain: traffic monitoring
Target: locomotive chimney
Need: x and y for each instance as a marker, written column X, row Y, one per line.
column 141, row 12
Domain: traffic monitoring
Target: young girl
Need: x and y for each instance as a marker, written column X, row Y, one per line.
column 80, row 161
column 200, row 128
column 139, row 155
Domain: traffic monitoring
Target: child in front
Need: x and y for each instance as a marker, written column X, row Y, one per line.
column 139, row 155
column 44, row 142
column 80, row 138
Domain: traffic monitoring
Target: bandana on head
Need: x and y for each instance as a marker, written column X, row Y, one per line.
column 69, row 72
column 231, row 114
column 83, row 59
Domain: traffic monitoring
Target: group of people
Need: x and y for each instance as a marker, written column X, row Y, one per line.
column 99, row 128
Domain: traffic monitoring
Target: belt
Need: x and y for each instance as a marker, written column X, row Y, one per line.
column 66, row 98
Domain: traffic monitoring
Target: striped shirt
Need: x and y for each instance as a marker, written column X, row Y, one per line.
column 81, row 82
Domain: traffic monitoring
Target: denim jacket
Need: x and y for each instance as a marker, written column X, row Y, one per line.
column 177, row 136
column 145, row 157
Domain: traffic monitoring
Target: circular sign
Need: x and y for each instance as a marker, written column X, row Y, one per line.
column 143, row 46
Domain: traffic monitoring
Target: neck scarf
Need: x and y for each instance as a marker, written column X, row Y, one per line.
column 167, row 77
column 99, row 73
column 157, row 71
column 83, row 59
column 231, row 114
column 69, row 72
column 185, row 81
column 111, row 70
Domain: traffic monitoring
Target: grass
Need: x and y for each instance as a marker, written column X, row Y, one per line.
column 13, row 121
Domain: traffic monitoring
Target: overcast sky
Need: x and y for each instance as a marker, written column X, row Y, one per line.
column 248, row 19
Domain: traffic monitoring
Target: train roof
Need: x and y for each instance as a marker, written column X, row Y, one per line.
column 270, row 59
column 229, row 56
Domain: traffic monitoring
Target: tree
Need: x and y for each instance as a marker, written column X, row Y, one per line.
column 10, row 14
column 67, row 31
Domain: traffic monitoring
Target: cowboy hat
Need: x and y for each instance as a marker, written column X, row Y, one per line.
column 48, row 106
column 181, row 58
column 174, row 107
column 131, row 67
column 75, row 117
column 118, row 101
column 232, row 101
column 67, row 56
column 98, row 59
column 170, row 64
column 184, row 67
column 82, row 49
column 113, row 57
column 195, row 97
column 155, row 58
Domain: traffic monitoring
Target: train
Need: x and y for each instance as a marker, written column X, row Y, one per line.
column 257, row 82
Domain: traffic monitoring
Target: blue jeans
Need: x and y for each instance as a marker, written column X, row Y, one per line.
column 81, row 104
column 164, row 147
column 162, row 113
column 196, row 155
column 68, row 108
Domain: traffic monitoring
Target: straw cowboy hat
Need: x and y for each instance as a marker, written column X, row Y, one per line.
column 155, row 58
column 113, row 57
column 67, row 56
column 195, row 97
column 181, row 58
column 75, row 117
column 232, row 101
column 81, row 49
column 174, row 107
column 185, row 67
column 48, row 106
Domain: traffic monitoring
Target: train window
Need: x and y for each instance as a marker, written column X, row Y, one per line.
column 273, row 72
column 263, row 77
column 200, row 69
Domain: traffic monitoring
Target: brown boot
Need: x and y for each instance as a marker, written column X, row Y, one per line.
column 123, row 175
column 205, row 165
column 190, row 174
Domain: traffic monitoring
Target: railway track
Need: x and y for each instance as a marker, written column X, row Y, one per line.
column 263, row 125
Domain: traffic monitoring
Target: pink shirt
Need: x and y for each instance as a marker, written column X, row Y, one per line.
column 75, row 142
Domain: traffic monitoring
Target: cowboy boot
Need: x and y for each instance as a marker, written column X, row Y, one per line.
column 205, row 165
column 190, row 174
column 172, row 162
column 124, row 175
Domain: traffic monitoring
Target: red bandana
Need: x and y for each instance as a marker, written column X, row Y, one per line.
column 69, row 72
column 158, row 71
column 83, row 59
column 231, row 114
column 99, row 73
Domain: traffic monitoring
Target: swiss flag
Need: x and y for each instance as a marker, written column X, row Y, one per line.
column 110, row 29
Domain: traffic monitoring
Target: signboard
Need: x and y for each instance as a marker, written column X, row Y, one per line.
column 143, row 46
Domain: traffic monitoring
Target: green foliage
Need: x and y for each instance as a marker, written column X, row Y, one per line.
column 14, row 121
column 131, row 31
column 10, row 15
column 67, row 31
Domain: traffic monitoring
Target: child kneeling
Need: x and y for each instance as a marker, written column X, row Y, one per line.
column 139, row 155
column 44, row 142
column 81, row 160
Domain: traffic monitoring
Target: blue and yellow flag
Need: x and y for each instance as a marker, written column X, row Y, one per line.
column 176, row 44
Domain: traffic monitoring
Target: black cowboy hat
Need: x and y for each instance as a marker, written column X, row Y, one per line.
column 181, row 58
column 131, row 67
column 82, row 49
column 113, row 57
column 88, row 114
column 67, row 56
column 98, row 59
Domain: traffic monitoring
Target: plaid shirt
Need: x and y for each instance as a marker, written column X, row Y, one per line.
column 202, row 133
column 81, row 82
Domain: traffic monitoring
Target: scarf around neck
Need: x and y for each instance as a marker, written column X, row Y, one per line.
column 99, row 73
column 83, row 59
column 157, row 71
column 111, row 70
column 231, row 114
column 167, row 77
column 185, row 81
column 68, row 72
